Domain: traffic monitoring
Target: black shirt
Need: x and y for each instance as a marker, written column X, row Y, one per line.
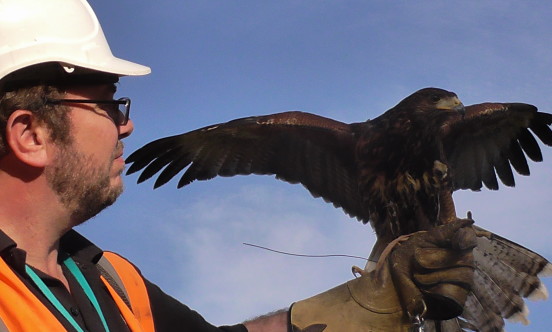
column 168, row 313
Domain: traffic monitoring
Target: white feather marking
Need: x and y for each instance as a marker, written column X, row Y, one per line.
column 540, row 293
column 546, row 271
column 520, row 317
column 370, row 266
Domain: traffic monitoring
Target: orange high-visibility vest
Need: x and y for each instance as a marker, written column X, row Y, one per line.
column 22, row 311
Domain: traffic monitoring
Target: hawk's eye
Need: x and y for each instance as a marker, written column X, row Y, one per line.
column 435, row 98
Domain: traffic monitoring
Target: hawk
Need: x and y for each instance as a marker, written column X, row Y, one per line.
column 396, row 172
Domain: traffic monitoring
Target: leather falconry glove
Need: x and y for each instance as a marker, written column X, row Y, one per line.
column 428, row 276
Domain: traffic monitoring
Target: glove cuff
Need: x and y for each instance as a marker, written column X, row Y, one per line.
column 361, row 304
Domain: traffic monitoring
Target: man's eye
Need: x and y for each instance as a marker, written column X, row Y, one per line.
column 112, row 111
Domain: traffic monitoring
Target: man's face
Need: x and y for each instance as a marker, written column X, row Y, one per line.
column 87, row 172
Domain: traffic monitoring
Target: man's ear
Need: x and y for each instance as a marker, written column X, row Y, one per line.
column 27, row 138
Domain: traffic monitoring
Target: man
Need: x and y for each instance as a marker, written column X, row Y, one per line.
column 61, row 163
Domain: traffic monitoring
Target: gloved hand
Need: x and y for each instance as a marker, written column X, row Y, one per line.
column 433, row 271
column 430, row 275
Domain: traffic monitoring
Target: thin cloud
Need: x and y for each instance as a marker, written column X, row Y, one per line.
column 350, row 61
column 240, row 281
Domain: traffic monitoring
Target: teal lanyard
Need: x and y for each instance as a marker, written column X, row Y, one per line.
column 70, row 263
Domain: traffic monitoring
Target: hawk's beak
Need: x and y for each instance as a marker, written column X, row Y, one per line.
column 453, row 104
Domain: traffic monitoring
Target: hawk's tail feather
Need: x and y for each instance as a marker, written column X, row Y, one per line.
column 451, row 325
column 546, row 271
column 505, row 273
column 540, row 293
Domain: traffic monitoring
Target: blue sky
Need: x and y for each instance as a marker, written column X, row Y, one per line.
column 214, row 61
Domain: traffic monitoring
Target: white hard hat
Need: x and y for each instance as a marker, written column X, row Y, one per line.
column 64, row 31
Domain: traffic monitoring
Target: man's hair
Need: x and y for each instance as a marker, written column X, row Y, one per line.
column 33, row 98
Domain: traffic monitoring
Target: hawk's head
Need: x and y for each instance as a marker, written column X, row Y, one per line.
column 431, row 106
column 430, row 99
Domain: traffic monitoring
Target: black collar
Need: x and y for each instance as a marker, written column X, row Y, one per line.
column 76, row 245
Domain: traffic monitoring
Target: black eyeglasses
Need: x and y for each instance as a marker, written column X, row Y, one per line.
column 119, row 110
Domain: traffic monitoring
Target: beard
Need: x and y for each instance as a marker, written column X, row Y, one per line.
column 83, row 188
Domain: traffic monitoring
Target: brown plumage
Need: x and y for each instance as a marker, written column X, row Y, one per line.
column 397, row 171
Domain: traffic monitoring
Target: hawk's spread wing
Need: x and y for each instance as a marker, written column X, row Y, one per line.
column 318, row 152
column 491, row 139
column 296, row 147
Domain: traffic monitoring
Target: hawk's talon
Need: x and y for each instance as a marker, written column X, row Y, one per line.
column 357, row 271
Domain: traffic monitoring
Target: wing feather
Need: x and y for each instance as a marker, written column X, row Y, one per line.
column 296, row 147
column 466, row 173
column 529, row 145
column 147, row 154
column 542, row 129
column 517, row 158
column 491, row 139
column 165, row 158
column 504, row 171
column 488, row 159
